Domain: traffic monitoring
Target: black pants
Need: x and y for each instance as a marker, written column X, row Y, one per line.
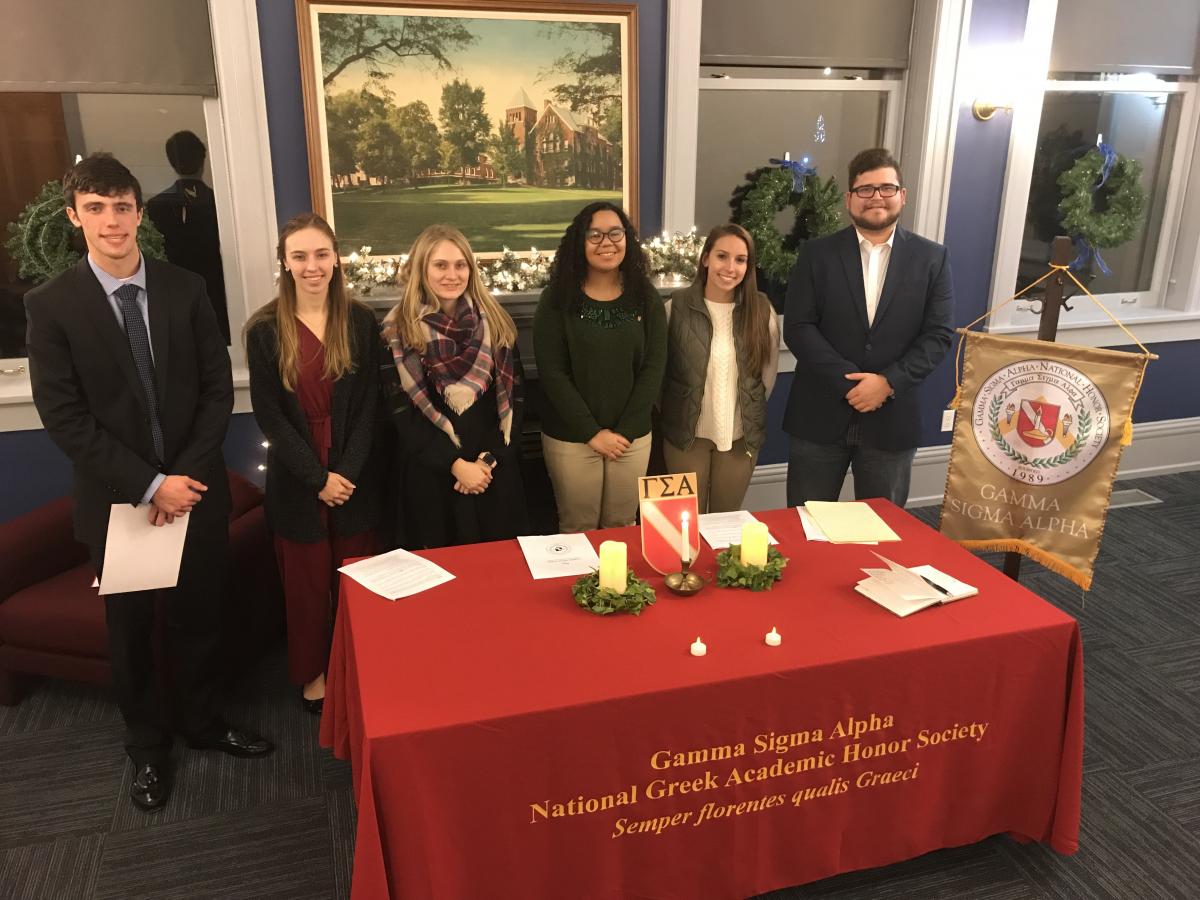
column 193, row 627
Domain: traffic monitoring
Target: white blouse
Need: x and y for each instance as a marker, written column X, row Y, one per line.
column 720, row 415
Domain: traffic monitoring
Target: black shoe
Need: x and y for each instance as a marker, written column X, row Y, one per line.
column 235, row 742
column 312, row 706
column 149, row 789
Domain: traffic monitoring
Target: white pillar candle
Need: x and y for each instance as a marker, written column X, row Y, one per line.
column 773, row 638
column 699, row 648
column 613, row 566
column 754, row 544
column 685, row 544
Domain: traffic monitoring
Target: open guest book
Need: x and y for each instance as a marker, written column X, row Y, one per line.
column 905, row 591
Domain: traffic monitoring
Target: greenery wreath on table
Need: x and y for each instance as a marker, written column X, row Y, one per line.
column 1107, row 217
column 603, row 601
column 44, row 242
column 767, row 192
column 731, row 572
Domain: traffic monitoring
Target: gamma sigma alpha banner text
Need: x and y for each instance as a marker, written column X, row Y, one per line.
column 1038, row 433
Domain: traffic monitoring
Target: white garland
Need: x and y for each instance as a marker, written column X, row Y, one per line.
column 671, row 258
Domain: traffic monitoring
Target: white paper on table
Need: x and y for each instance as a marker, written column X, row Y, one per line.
column 139, row 556
column 397, row 574
column 813, row 531
column 721, row 529
column 556, row 555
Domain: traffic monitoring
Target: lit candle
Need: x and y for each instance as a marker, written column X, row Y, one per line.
column 685, row 544
column 773, row 638
column 699, row 648
column 613, row 568
column 754, row 544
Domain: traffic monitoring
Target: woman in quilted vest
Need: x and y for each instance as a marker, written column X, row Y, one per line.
column 722, row 358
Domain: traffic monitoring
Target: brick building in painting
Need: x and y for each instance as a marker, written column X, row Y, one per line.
column 560, row 151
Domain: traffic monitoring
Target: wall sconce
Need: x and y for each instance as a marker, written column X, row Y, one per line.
column 985, row 109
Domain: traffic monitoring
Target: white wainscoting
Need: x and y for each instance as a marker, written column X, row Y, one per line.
column 1158, row 448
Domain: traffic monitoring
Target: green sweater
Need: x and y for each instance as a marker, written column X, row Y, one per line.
column 600, row 364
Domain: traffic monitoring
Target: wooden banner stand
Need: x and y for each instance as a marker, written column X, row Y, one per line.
column 1052, row 303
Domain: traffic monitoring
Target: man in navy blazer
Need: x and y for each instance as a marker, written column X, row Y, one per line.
column 132, row 381
column 869, row 315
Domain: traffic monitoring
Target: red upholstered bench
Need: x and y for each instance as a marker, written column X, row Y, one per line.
column 52, row 619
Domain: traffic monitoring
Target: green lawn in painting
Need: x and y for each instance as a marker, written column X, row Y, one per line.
column 388, row 219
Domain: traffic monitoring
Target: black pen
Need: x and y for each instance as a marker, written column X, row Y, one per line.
column 933, row 584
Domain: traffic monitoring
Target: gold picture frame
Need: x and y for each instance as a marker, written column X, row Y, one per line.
column 501, row 118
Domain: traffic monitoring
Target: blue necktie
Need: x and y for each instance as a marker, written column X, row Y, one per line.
column 139, row 343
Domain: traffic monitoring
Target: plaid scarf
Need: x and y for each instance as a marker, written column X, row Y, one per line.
column 458, row 365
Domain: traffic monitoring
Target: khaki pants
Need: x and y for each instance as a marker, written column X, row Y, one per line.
column 591, row 491
column 723, row 476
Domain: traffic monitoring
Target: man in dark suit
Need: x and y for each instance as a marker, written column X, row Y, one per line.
column 132, row 381
column 869, row 315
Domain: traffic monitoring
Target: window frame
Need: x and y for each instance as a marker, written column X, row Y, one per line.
column 240, row 168
column 1091, row 326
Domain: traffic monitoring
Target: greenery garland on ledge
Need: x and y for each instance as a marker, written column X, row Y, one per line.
column 603, row 602
column 731, row 572
column 767, row 192
column 1121, row 197
column 44, row 242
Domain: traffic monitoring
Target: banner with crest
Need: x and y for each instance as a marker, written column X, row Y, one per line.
column 1038, row 433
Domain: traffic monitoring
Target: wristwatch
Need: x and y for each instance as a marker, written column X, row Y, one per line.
column 487, row 459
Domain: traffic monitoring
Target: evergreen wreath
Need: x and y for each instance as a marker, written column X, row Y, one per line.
column 767, row 192
column 43, row 242
column 731, row 572
column 604, row 601
column 1107, row 217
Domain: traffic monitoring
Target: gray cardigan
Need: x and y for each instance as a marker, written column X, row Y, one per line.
column 294, row 472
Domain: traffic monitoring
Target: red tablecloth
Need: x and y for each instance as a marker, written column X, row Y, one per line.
column 506, row 743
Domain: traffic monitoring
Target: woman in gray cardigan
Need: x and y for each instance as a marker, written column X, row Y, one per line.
column 314, row 357
column 722, row 358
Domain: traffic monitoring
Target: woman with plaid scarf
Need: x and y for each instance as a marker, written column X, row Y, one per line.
column 461, row 398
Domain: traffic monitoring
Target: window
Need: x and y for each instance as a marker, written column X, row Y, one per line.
column 827, row 119
column 1140, row 117
column 234, row 127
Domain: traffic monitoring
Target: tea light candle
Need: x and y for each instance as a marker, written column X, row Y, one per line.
column 773, row 638
column 685, row 544
column 699, row 648
column 613, row 567
column 754, row 544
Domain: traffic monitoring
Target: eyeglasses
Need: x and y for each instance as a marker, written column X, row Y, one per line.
column 867, row 191
column 596, row 236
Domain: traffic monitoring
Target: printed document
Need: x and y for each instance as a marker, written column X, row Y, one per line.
column 725, row 528
column 397, row 574
column 556, row 555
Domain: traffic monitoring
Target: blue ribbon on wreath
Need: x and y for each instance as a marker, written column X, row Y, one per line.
column 799, row 171
column 1084, row 250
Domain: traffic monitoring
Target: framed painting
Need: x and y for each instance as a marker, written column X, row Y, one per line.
column 501, row 118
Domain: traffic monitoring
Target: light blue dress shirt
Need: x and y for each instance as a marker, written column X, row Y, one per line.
column 110, row 284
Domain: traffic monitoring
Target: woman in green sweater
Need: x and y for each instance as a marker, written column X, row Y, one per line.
column 600, row 340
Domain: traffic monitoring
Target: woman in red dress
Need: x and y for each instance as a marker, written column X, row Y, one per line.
column 313, row 355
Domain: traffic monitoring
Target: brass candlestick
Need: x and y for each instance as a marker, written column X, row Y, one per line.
column 684, row 582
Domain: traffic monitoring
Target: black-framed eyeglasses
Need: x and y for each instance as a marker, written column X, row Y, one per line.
column 867, row 191
column 596, row 236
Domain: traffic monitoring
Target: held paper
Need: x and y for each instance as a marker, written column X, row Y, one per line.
column 139, row 556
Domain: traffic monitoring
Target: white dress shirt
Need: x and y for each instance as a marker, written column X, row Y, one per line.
column 875, row 258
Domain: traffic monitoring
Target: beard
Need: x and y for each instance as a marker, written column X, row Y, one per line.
column 865, row 224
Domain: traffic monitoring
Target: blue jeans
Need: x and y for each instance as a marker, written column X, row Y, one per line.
column 816, row 471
